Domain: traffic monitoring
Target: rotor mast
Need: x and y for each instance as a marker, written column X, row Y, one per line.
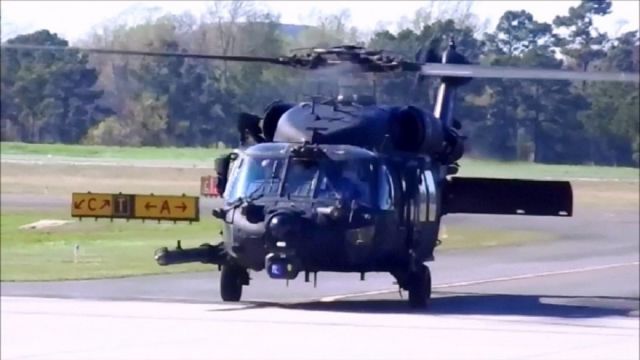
column 445, row 100
column 351, row 88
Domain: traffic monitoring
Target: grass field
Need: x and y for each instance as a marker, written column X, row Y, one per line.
column 110, row 152
column 112, row 249
column 106, row 249
column 525, row 170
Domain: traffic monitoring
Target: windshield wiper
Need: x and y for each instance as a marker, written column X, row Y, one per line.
column 254, row 195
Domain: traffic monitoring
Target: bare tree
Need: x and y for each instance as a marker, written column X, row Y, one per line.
column 219, row 27
column 461, row 11
column 328, row 30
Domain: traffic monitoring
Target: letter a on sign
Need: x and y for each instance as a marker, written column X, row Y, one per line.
column 165, row 209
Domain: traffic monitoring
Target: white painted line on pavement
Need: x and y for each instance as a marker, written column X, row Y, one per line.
column 484, row 281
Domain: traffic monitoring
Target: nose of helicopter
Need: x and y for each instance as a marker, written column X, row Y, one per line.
column 347, row 233
column 282, row 228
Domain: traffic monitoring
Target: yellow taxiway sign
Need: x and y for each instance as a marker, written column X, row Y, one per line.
column 132, row 206
column 166, row 207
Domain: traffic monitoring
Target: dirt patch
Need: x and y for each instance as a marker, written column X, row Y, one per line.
column 44, row 224
column 63, row 179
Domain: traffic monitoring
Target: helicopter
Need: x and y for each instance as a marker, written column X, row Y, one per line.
column 348, row 185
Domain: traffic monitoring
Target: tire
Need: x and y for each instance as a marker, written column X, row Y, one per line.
column 231, row 282
column 420, row 288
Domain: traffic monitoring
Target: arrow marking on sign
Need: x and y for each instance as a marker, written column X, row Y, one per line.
column 148, row 206
column 183, row 207
column 78, row 204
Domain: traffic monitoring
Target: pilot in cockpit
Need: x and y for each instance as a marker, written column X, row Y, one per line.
column 337, row 182
column 300, row 178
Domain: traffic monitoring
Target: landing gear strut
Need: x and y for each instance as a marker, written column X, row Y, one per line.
column 232, row 278
column 418, row 283
column 419, row 287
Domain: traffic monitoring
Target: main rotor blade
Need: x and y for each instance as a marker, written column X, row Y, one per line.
column 278, row 61
column 429, row 69
column 505, row 72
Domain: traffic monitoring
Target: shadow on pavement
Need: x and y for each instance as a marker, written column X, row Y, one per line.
column 489, row 304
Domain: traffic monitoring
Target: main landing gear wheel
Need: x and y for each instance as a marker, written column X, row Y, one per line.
column 419, row 286
column 232, row 278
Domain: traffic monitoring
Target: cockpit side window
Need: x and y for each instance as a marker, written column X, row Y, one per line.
column 385, row 193
column 231, row 192
column 255, row 176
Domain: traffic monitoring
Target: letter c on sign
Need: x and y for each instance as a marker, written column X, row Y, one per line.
column 90, row 204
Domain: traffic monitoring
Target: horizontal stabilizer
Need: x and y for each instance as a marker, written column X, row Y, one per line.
column 507, row 197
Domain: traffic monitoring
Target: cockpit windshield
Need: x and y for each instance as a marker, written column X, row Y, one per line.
column 331, row 179
column 352, row 179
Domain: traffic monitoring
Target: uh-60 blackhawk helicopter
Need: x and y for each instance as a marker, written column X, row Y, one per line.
column 348, row 185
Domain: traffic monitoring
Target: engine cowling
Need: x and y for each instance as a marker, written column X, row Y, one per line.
column 413, row 130
column 272, row 116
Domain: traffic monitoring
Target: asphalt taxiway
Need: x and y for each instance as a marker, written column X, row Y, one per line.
column 551, row 315
column 573, row 298
column 36, row 328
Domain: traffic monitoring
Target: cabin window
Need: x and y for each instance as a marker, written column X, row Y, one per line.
column 431, row 204
column 422, row 203
column 385, row 194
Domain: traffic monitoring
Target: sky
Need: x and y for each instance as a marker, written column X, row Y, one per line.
column 73, row 20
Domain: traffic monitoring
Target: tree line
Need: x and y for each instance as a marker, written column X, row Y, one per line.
column 71, row 97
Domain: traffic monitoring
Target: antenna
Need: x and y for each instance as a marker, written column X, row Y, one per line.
column 452, row 43
column 313, row 105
